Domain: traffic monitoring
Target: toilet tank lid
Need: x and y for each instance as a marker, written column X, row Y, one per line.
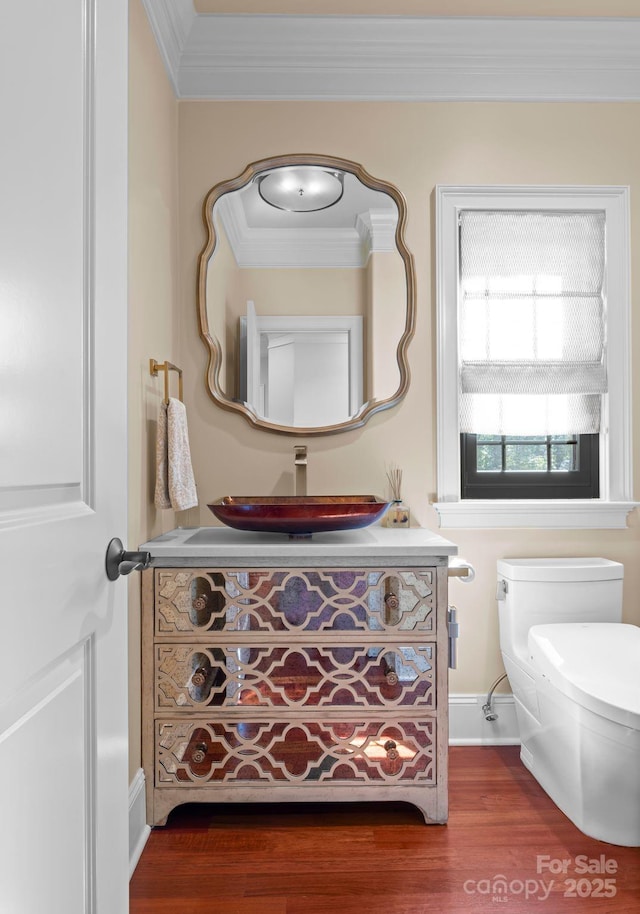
column 560, row 569
column 593, row 663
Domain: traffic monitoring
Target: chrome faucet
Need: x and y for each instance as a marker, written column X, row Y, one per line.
column 300, row 464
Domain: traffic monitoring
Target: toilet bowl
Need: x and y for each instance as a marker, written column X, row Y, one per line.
column 574, row 669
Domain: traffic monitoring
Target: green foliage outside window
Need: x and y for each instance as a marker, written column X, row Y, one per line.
column 526, row 454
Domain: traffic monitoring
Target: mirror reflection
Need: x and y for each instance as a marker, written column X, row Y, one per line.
column 306, row 294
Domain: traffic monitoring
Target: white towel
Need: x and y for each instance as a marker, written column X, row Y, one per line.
column 175, row 485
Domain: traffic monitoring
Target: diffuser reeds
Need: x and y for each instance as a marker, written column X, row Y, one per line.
column 398, row 514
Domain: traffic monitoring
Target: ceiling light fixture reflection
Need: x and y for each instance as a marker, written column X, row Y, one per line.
column 301, row 190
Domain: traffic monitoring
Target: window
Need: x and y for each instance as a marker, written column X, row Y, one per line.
column 531, row 328
column 529, row 466
column 533, row 360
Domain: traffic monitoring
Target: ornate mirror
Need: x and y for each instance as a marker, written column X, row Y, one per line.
column 306, row 294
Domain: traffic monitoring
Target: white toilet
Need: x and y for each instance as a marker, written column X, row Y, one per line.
column 574, row 670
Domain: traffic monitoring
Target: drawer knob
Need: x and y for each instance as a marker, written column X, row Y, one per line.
column 199, row 677
column 392, row 677
column 199, row 753
column 391, row 601
column 391, row 749
column 199, row 603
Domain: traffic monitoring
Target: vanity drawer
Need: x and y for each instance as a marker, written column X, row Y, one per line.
column 350, row 751
column 278, row 674
column 199, row 601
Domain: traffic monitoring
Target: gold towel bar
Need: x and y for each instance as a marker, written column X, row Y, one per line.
column 155, row 367
column 455, row 571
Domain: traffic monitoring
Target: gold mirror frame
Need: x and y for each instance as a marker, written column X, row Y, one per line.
column 212, row 375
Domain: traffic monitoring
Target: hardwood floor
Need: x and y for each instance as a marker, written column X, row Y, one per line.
column 382, row 859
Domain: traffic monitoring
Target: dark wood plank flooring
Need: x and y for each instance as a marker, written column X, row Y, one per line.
column 380, row 858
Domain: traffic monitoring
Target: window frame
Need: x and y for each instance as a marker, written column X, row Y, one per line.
column 614, row 503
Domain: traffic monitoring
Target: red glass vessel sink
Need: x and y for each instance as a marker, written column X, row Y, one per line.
column 299, row 515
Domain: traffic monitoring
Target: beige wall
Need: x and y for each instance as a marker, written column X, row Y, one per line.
column 179, row 150
column 415, row 146
column 301, row 291
column 387, row 285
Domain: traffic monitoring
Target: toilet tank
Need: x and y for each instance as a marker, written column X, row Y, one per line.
column 539, row 591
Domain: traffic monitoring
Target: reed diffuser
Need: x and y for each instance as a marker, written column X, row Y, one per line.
column 398, row 513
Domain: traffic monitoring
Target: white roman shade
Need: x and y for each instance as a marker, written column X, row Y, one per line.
column 532, row 340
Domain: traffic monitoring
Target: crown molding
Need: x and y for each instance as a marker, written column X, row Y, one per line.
column 377, row 230
column 268, row 247
column 395, row 58
column 321, row 247
column 172, row 22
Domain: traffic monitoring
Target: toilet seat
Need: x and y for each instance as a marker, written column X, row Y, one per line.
column 595, row 664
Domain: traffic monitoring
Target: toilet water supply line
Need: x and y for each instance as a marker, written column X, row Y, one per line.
column 490, row 714
column 486, row 707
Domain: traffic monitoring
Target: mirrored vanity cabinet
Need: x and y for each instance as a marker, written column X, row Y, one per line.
column 284, row 670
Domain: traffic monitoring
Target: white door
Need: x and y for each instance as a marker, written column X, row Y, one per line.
column 63, row 652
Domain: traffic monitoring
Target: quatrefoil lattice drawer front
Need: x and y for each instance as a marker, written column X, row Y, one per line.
column 304, row 752
column 200, row 601
column 243, row 676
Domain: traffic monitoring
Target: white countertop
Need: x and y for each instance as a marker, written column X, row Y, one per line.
column 202, row 545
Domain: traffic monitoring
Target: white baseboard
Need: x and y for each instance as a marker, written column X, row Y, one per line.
column 468, row 726
column 139, row 831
